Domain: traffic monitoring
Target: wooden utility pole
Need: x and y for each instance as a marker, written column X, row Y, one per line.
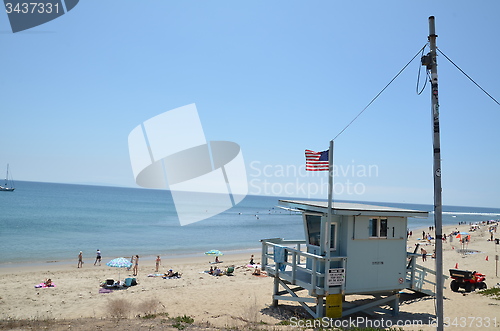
column 430, row 61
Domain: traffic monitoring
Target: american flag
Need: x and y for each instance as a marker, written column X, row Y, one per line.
column 316, row 161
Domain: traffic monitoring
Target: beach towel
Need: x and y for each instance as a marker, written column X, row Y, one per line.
column 253, row 266
column 105, row 290
column 280, row 257
column 42, row 285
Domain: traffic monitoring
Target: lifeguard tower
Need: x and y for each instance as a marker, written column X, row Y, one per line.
column 363, row 252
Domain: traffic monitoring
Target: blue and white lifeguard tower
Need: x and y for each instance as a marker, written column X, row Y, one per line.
column 361, row 250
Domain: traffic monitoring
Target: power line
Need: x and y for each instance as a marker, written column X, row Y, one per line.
column 379, row 93
column 472, row 80
column 418, row 77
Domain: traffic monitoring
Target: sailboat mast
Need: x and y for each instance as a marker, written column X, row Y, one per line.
column 7, row 176
column 438, row 205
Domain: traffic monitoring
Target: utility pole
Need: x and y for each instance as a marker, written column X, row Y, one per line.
column 430, row 61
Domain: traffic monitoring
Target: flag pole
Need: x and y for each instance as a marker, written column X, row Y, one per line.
column 330, row 205
column 330, row 182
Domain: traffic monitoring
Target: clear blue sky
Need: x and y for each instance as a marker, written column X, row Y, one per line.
column 277, row 77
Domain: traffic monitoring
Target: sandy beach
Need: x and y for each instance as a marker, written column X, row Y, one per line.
column 226, row 301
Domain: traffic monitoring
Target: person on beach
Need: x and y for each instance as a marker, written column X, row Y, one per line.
column 172, row 274
column 131, row 263
column 48, row 282
column 424, row 254
column 136, row 265
column 256, row 272
column 217, row 259
column 158, row 262
column 211, row 271
column 98, row 257
column 251, row 260
column 80, row 260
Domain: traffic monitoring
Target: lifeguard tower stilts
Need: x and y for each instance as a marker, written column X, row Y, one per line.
column 363, row 252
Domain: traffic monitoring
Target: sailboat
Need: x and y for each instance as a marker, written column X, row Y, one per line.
column 6, row 187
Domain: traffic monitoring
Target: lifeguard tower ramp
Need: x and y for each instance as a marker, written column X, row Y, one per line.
column 361, row 251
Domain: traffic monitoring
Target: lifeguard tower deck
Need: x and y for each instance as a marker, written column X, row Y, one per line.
column 361, row 250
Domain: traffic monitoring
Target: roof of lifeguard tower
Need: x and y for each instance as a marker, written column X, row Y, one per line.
column 348, row 208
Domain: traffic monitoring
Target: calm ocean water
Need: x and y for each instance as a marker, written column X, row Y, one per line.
column 42, row 222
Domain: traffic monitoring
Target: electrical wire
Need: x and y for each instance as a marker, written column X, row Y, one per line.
column 472, row 80
column 418, row 76
column 379, row 93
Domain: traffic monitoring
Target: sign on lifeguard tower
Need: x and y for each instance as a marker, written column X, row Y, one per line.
column 336, row 276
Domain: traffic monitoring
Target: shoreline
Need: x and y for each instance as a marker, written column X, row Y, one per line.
column 415, row 228
column 7, row 267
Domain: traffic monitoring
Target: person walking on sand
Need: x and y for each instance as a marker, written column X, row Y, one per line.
column 424, row 254
column 136, row 265
column 158, row 262
column 98, row 257
column 80, row 260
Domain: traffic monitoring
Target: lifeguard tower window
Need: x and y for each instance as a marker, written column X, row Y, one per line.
column 378, row 227
column 313, row 228
column 313, row 223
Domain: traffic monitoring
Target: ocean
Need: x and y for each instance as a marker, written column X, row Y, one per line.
column 48, row 222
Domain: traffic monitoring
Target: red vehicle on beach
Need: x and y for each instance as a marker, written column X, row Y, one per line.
column 468, row 280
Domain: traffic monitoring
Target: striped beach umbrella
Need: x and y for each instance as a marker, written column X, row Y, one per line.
column 119, row 262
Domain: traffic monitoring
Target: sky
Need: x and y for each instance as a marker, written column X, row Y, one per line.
column 276, row 77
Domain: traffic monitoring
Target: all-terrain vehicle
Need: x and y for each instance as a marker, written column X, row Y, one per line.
column 468, row 280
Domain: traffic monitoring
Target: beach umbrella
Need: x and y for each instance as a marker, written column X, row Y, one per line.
column 119, row 262
column 463, row 235
column 214, row 252
column 464, row 239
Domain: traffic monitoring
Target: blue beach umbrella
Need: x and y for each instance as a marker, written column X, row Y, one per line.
column 119, row 262
column 214, row 252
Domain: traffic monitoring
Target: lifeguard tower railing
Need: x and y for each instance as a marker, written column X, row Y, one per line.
column 297, row 267
column 417, row 276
